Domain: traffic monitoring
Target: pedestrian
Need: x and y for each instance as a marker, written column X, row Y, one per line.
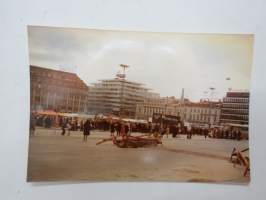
column 127, row 128
column 189, row 132
column 81, row 125
column 161, row 131
column 205, row 133
column 69, row 127
column 86, row 130
column 112, row 128
column 63, row 128
column 123, row 129
column 167, row 131
column 238, row 134
column 118, row 128
column 32, row 124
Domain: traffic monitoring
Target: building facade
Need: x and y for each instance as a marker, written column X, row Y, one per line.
column 204, row 112
column 164, row 105
column 57, row 90
column 235, row 108
column 117, row 96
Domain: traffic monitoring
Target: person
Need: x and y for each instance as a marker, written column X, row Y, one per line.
column 226, row 134
column 118, row 128
column 69, row 127
column 238, row 134
column 127, row 128
column 32, row 124
column 161, row 131
column 112, row 128
column 205, row 131
column 123, row 130
column 189, row 132
column 234, row 134
column 63, row 128
column 86, row 130
column 81, row 125
column 167, row 131
column 175, row 131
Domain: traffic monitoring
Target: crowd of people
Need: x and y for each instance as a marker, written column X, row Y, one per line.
column 119, row 127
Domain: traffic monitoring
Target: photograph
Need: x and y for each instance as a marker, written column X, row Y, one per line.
column 135, row 106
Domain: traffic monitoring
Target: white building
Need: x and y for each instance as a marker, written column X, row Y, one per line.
column 117, row 96
column 200, row 113
column 164, row 105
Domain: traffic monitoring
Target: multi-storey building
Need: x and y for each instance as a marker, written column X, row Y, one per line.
column 117, row 96
column 235, row 108
column 164, row 105
column 203, row 112
column 57, row 90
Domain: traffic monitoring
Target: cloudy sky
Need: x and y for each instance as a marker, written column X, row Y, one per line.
column 164, row 62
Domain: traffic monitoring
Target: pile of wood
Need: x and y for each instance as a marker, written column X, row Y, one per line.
column 238, row 157
column 133, row 141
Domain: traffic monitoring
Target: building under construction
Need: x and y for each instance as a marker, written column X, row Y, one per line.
column 117, row 96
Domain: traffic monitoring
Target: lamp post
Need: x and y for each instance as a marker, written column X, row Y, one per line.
column 122, row 76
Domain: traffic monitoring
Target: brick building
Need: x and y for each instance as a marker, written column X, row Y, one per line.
column 57, row 90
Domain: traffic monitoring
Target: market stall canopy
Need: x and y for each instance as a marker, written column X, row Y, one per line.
column 47, row 112
column 79, row 115
column 135, row 120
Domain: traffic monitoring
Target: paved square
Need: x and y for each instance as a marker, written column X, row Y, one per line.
column 53, row 157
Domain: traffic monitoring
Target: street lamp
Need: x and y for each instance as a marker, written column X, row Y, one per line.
column 123, row 76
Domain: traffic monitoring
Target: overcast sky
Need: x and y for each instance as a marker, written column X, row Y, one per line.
column 164, row 62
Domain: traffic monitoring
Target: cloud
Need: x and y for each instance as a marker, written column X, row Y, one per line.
column 164, row 62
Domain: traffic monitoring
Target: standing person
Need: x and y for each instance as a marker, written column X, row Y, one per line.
column 86, row 130
column 123, row 130
column 118, row 128
column 63, row 127
column 32, row 124
column 161, row 131
column 127, row 129
column 69, row 127
column 226, row 134
column 167, row 131
column 112, row 128
column 156, row 130
column 46, row 121
column 189, row 130
column 81, row 125
column 205, row 133
column 238, row 134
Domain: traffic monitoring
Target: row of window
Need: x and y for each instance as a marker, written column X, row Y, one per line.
column 235, row 111
column 149, row 111
column 56, row 101
column 201, row 111
column 235, row 117
column 238, row 94
column 59, row 95
column 236, row 100
column 39, row 83
column 236, row 106
column 52, row 75
column 202, row 118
